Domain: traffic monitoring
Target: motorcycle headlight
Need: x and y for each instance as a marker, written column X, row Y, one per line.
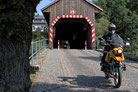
column 120, row 51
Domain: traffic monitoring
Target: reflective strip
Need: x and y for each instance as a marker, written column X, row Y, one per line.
column 65, row 16
column 85, row 43
column 58, row 17
column 86, row 18
column 51, row 29
column 51, row 35
column 92, row 24
column 93, row 41
column 50, row 40
column 54, row 22
column 93, row 29
column 93, row 32
column 72, row 16
column 93, row 35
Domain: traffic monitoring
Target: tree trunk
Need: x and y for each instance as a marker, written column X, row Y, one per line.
column 15, row 40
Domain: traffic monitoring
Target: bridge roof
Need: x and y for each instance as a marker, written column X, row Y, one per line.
column 84, row 0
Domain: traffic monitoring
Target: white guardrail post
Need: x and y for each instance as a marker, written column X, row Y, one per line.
column 39, row 47
column 36, row 52
column 32, row 53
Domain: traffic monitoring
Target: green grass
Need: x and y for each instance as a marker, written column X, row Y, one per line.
column 33, row 73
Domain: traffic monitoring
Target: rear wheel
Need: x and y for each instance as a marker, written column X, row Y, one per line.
column 117, row 77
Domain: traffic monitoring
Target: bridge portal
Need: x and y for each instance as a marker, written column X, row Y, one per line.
column 72, row 21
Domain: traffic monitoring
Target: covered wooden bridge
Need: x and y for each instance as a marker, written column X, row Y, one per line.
column 72, row 21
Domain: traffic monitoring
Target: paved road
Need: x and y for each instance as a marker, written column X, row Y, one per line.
column 79, row 71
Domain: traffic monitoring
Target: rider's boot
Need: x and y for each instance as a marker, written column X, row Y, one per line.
column 102, row 66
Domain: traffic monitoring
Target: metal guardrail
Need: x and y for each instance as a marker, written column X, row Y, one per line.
column 36, row 48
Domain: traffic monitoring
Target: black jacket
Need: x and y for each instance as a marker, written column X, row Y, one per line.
column 108, row 37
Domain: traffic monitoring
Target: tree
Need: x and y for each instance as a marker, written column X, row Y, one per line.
column 38, row 34
column 133, row 5
column 101, row 27
column 123, row 13
column 15, row 38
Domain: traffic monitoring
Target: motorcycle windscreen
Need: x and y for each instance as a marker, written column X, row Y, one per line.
column 117, row 41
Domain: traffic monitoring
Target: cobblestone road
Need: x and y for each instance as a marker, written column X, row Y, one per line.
column 79, row 71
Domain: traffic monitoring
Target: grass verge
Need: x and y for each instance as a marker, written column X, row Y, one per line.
column 34, row 72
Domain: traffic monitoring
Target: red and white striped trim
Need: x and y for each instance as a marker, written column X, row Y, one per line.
column 93, row 29
column 72, row 16
column 89, row 21
column 93, row 35
column 85, row 44
column 55, row 21
column 58, row 44
column 51, row 35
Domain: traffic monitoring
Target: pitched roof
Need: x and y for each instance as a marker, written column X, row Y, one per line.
column 85, row 0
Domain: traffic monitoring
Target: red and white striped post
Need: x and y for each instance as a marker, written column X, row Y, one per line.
column 85, row 44
column 58, row 44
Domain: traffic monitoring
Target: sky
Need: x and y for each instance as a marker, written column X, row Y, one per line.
column 42, row 4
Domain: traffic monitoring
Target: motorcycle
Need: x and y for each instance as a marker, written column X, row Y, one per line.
column 114, row 59
column 65, row 46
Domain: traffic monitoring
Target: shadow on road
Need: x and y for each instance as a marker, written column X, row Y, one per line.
column 80, row 83
column 90, row 58
column 46, row 87
column 93, row 82
column 89, row 81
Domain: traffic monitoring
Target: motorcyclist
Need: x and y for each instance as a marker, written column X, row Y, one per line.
column 106, row 37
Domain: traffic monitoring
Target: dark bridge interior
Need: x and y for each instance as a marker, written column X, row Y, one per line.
column 75, row 31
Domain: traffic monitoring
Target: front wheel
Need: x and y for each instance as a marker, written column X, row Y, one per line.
column 117, row 77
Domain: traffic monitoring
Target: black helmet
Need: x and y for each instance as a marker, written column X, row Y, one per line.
column 111, row 27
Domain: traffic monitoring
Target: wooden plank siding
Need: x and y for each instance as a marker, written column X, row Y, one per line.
column 63, row 7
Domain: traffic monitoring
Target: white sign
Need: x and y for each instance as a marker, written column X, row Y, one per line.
column 72, row 11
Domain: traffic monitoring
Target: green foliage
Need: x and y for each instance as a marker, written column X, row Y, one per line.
column 133, row 5
column 116, row 11
column 38, row 34
column 123, row 13
column 101, row 26
column 16, row 17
